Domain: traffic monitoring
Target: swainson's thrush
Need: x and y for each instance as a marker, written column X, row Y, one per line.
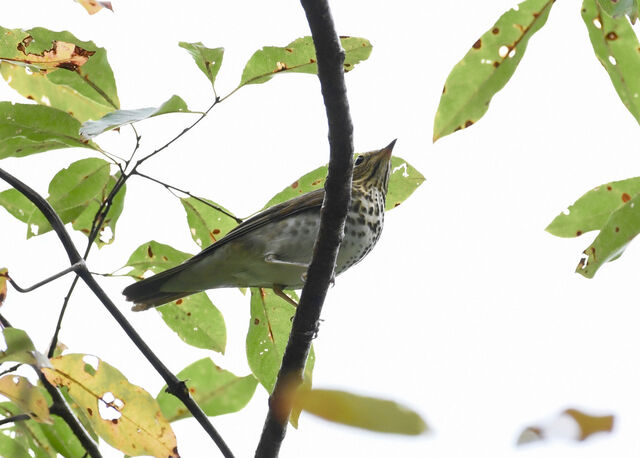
column 273, row 248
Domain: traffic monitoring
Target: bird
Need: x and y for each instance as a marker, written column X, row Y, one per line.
column 273, row 248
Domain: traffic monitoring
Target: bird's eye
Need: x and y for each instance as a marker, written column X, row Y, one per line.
column 359, row 160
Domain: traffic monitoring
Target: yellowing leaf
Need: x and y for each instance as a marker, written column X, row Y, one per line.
column 3, row 285
column 93, row 6
column 571, row 424
column 60, row 55
column 360, row 411
column 124, row 415
column 28, row 397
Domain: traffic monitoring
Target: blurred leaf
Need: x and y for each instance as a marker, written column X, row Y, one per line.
column 621, row 227
column 563, row 427
column 93, row 6
column 19, row 347
column 591, row 211
column 3, row 285
column 298, row 56
column 85, row 92
column 208, row 60
column 28, row 397
column 404, row 180
column 11, row 448
column 62, row 439
column 124, row 415
column 360, row 411
column 119, row 118
column 269, row 330
column 215, row 390
column 207, row 225
column 29, row 434
column 617, row 8
column 30, row 129
column 487, row 67
column 71, row 191
column 616, row 46
column 194, row 318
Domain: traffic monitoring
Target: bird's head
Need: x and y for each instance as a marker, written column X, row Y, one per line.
column 373, row 169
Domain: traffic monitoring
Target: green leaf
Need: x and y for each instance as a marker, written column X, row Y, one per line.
column 487, row 67
column 404, row 180
column 19, row 347
column 215, row 390
column 196, row 321
column 71, row 191
column 11, row 448
column 119, row 118
column 206, row 223
column 29, row 129
column 298, row 56
column 621, row 227
column 85, row 90
column 123, row 414
column 17, row 204
column 194, row 318
column 591, row 211
column 31, row 435
column 616, row 47
column 84, row 222
column 208, row 60
column 360, row 411
column 617, row 8
column 269, row 329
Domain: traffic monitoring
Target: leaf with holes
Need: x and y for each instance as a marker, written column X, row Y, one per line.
column 487, row 67
column 298, row 56
column 18, row 347
column 119, row 118
column 621, row 227
column 206, row 223
column 269, row 329
column 360, row 411
column 31, row 129
column 591, row 211
column 215, row 390
column 71, row 191
column 208, row 60
column 618, row 8
column 28, row 397
column 84, row 222
column 194, row 318
column 404, row 180
column 562, row 427
column 86, row 89
column 616, row 47
column 123, row 414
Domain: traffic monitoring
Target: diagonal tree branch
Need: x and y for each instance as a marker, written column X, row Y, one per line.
column 330, row 58
column 175, row 386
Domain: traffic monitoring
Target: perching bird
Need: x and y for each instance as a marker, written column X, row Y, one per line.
column 273, row 248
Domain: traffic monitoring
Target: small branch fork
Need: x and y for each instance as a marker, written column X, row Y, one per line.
column 330, row 57
column 175, row 386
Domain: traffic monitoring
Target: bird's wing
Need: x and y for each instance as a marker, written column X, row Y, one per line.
column 298, row 204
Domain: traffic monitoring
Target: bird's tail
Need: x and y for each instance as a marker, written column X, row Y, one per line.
column 149, row 292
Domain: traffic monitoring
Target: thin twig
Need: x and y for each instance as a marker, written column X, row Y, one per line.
column 175, row 386
column 330, row 57
column 15, row 419
column 199, row 199
column 72, row 268
column 11, row 369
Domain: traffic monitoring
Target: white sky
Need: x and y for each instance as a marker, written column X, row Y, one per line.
column 467, row 310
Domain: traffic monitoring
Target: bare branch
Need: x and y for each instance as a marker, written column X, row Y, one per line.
column 330, row 58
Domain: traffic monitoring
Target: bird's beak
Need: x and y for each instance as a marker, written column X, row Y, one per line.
column 387, row 150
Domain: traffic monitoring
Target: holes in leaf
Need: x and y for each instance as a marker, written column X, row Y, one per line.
column 612, row 60
column 106, row 235
column 503, row 51
column 597, row 23
column 109, row 407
